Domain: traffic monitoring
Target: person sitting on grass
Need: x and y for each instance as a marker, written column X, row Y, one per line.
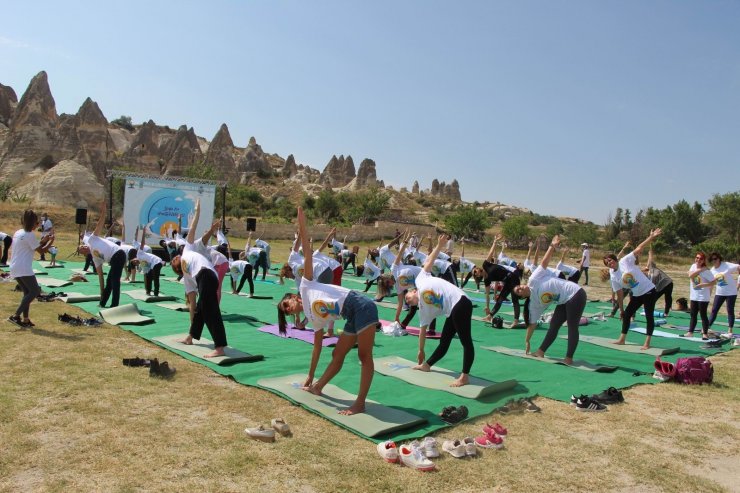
column 626, row 274
column 544, row 288
column 323, row 303
column 435, row 297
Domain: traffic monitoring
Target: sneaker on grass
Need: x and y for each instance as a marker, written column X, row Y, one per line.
column 490, row 440
column 574, row 399
column 470, row 448
column 414, row 458
column 428, row 446
column 261, row 433
column 609, row 396
column 495, row 428
column 455, row 448
column 588, row 405
column 388, row 451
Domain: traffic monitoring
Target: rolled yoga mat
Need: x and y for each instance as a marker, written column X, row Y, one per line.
column 577, row 364
column 179, row 307
column 204, row 346
column 125, row 315
column 376, row 420
column 438, row 378
column 79, row 297
column 50, row 282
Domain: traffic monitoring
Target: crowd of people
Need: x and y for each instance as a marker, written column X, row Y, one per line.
column 429, row 281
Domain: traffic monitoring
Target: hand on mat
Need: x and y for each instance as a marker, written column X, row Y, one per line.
column 307, row 383
column 420, row 357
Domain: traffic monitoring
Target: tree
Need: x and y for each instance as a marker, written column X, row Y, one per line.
column 582, row 233
column 554, row 228
column 467, row 222
column 723, row 214
column 327, row 205
column 516, row 230
column 124, row 122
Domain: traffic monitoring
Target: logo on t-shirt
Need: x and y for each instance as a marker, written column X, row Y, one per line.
column 629, row 280
column 547, row 298
column 721, row 281
column 325, row 309
column 695, row 282
column 184, row 266
column 97, row 254
column 431, row 298
column 407, row 282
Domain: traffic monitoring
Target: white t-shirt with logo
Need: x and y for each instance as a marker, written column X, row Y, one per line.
column 147, row 260
column 25, row 244
column 405, row 276
column 466, row 266
column 296, row 261
column 322, row 303
column 236, row 268
column 331, row 263
column 726, row 277
column 566, row 269
column 101, row 249
column 439, row 267
column 436, row 297
column 632, row 277
column 387, row 257
column 546, row 288
column 371, row 271
column 700, row 294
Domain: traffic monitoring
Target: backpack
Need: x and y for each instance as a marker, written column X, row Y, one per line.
column 694, row 370
column 497, row 322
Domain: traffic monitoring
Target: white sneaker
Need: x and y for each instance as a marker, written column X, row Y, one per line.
column 388, row 451
column 470, row 448
column 414, row 458
column 261, row 433
column 428, row 446
column 455, row 448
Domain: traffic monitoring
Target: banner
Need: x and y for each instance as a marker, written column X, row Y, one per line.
column 157, row 204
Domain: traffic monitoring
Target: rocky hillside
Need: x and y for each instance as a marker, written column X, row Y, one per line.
column 60, row 159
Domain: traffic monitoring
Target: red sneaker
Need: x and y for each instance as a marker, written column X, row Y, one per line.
column 496, row 429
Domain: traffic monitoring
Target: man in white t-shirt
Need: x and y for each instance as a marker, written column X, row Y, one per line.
column 585, row 261
column 46, row 227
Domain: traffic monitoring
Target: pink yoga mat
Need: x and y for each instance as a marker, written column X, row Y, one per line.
column 413, row 331
column 302, row 335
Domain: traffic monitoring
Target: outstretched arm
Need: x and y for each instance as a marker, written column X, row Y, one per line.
column 621, row 252
column 491, row 252
column 401, row 248
column 653, row 234
column 214, row 227
column 429, row 263
column 194, row 222
column 143, row 239
column 307, row 253
column 328, row 238
column 101, row 219
column 529, row 250
column 550, row 251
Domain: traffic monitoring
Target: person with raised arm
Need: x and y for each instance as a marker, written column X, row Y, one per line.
column 104, row 250
column 626, row 274
column 150, row 264
column 405, row 278
column 436, row 297
column 323, row 303
column 567, row 272
column 663, row 282
column 726, row 279
column 332, row 262
column 491, row 273
column 701, row 281
column 544, row 288
column 198, row 273
column 464, row 266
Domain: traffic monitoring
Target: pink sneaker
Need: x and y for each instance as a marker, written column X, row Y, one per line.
column 496, row 429
column 490, row 440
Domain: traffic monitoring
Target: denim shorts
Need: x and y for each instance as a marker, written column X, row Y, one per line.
column 360, row 312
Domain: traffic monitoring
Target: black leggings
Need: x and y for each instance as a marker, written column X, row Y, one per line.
column 647, row 301
column 31, row 290
column 7, row 241
column 585, row 271
column 509, row 284
column 247, row 276
column 449, row 276
column 410, row 315
column 207, row 310
column 457, row 323
column 113, row 281
column 571, row 311
column 151, row 279
column 718, row 301
column 350, row 260
column 668, row 293
column 261, row 262
column 700, row 308
column 467, row 278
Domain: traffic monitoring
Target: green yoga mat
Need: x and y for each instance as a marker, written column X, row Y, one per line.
column 125, row 315
column 179, row 307
column 376, row 420
column 51, row 282
column 204, row 346
column 140, row 295
column 438, row 378
column 79, row 297
column 47, row 265
column 629, row 347
column 577, row 364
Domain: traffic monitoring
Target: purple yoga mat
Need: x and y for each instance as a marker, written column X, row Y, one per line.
column 301, row 335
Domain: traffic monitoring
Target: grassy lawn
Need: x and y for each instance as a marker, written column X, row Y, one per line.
column 72, row 418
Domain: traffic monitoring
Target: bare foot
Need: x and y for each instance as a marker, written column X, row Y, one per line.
column 538, row 354
column 619, row 341
column 355, row 408
column 460, row 381
column 422, row 367
column 188, row 341
column 313, row 389
column 568, row 361
column 646, row 346
column 219, row 351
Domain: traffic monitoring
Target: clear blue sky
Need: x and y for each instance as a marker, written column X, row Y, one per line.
column 570, row 108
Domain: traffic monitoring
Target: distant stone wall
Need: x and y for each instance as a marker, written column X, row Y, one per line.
column 356, row 233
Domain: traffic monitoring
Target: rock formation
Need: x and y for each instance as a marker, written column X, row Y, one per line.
column 415, row 188
column 65, row 184
column 8, row 102
column 220, row 155
column 338, row 172
column 366, row 176
column 254, row 161
column 289, row 169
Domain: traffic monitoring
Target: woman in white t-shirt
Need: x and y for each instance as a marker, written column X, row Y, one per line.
column 325, row 303
column 150, row 264
column 726, row 279
column 626, row 274
column 436, row 297
column 700, row 291
column 585, row 261
column 543, row 289
column 21, row 265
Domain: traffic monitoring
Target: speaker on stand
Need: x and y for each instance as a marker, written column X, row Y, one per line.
column 251, row 224
column 80, row 221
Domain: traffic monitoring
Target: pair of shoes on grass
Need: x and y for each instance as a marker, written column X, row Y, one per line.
column 410, row 455
column 265, row 434
column 525, row 404
column 585, row 403
column 452, row 414
column 460, row 448
column 23, row 324
column 160, row 370
column 492, row 436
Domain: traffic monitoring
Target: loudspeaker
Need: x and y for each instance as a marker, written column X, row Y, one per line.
column 81, row 216
column 251, row 224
